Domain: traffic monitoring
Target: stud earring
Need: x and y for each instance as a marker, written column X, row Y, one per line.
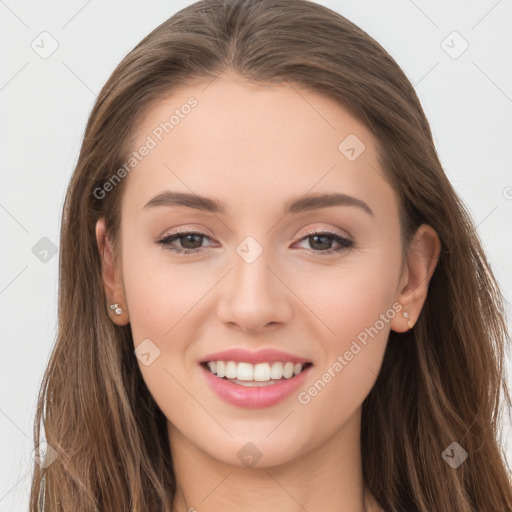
column 116, row 308
column 409, row 323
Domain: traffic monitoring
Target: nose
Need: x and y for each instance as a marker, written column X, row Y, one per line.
column 254, row 297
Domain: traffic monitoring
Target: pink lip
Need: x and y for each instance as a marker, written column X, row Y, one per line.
column 254, row 397
column 268, row 355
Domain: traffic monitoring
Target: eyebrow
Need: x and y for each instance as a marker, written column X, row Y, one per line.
column 294, row 205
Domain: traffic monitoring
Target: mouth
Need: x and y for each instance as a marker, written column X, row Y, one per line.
column 255, row 375
column 257, row 386
column 254, row 379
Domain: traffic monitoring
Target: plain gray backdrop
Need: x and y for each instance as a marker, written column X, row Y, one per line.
column 57, row 55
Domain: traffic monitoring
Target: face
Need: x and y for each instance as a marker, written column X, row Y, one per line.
column 251, row 273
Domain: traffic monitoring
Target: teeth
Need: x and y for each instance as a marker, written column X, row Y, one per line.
column 231, row 371
column 221, row 368
column 252, row 383
column 262, row 372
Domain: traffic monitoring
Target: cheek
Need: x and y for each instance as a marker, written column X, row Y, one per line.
column 356, row 309
column 160, row 298
column 347, row 297
column 158, row 293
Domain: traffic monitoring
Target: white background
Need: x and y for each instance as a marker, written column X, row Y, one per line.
column 45, row 104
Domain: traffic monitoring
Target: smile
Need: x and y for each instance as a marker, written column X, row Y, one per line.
column 254, row 386
column 252, row 374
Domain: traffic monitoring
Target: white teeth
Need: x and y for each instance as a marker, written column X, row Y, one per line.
column 277, row 371
column 221, row 369
column 244, row 371
column 231, row 370
column 261, row 372
column 288, row 370
column 253, row 384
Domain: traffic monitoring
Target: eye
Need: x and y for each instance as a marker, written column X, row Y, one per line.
column 192, row 242
column 320, row 241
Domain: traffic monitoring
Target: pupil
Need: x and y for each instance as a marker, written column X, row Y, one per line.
column 188, row 237
column 325, row 244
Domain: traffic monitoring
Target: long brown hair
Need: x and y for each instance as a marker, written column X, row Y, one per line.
column 440, row 383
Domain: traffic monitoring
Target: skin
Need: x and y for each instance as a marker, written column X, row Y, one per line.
column 254, row 147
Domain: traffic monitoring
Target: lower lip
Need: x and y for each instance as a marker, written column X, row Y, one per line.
column 255, row 397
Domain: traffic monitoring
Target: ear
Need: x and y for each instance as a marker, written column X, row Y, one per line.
column 112, row 275
column 422, row 258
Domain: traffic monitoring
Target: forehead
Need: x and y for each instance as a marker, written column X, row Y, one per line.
column 230, row 107
column 249, row 141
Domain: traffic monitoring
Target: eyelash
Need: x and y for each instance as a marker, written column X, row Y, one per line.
column 345, row 243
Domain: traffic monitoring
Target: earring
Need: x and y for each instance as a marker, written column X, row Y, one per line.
column 116, row 308
column 409, row 323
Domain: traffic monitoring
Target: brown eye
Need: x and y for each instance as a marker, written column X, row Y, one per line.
column 190, row 241
column 321, row 242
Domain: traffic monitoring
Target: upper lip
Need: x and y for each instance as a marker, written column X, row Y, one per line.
column 268, row 355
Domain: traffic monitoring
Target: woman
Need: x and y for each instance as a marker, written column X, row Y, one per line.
column 270, row 294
